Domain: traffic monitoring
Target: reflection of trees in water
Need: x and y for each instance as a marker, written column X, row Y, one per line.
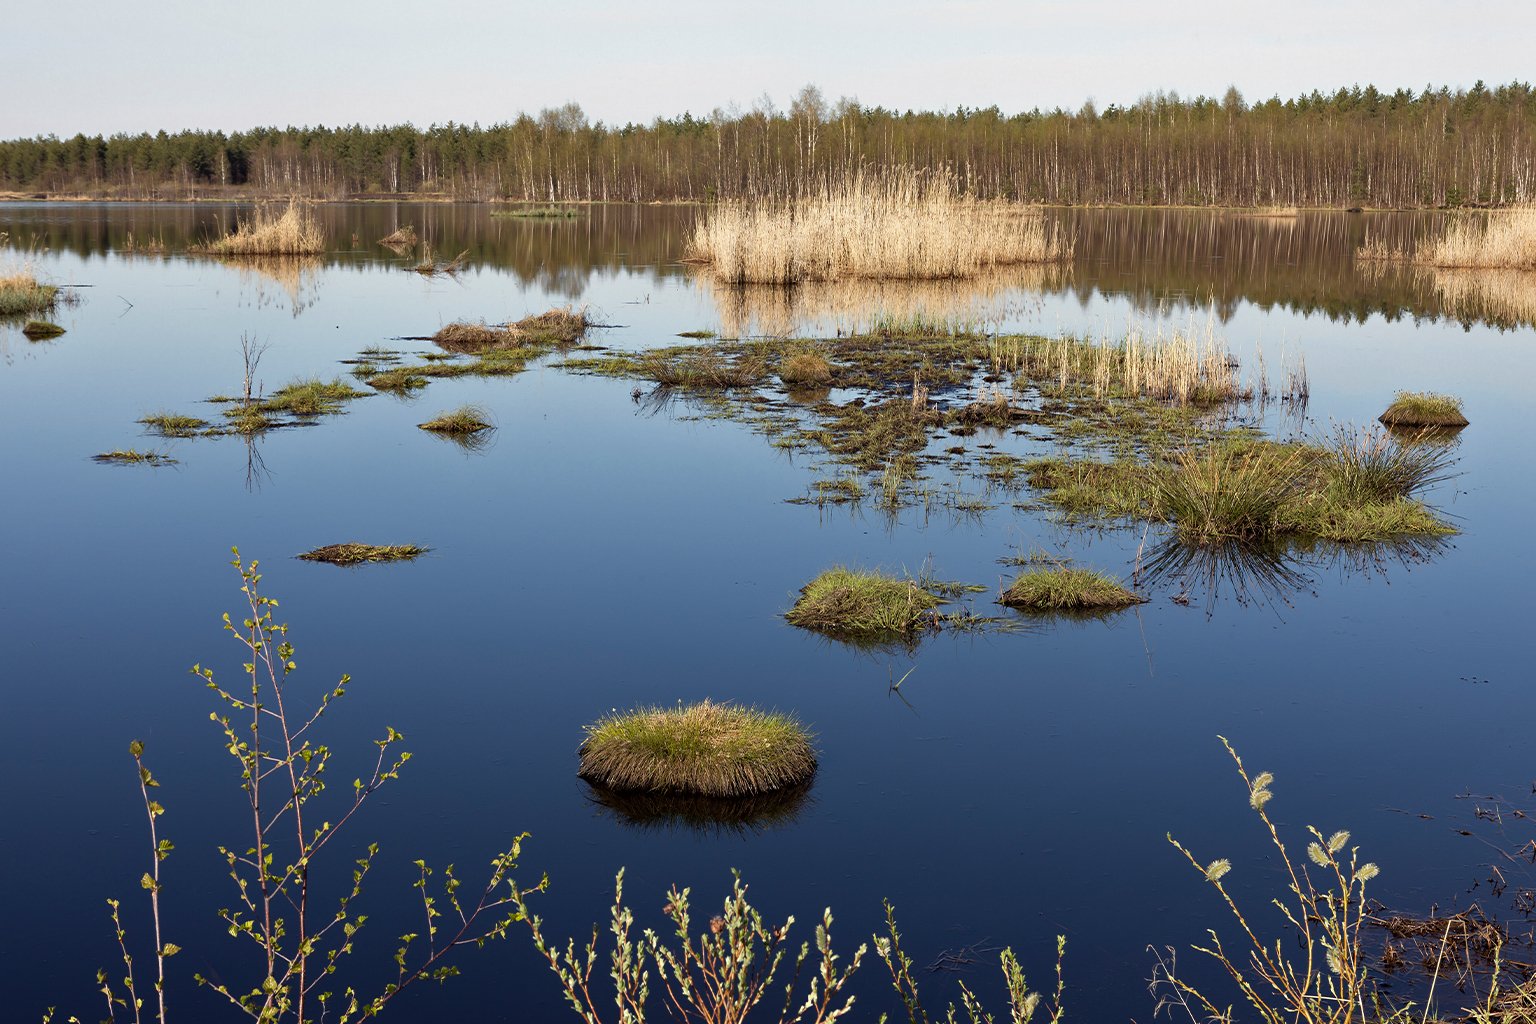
column 704, row 814
column 1272, row 572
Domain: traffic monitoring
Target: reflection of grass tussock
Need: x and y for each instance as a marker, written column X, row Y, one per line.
column 900, row 223
column 705, row 814
column 134, row 457
column 1424, row 409
column 40, row 330
column 356, row 554
column 293, row 232
column 709, row 749
column 1500, row 239
column 1068, row 589
column 21, row 294
column 467, row 419
column 863, row 605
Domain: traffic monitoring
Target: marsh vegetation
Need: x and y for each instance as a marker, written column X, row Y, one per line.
column 355, row 553
column 22, row 294
column 268, row 231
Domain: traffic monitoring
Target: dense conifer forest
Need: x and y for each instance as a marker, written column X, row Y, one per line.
column 1353, row 147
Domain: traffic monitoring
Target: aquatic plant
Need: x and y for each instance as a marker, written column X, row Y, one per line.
column 431, row 266
column 1372, row 466
column 863, row 605
column 294, row 231
column 893, row 223
column 1317, row 973
column 466, row 419
column 21, row 294
column 311, row 397
column 1424, row 409
column 134, row 457
column 705, row 748
column 170, row 424
column 280, row 870
column 1229, row 492
column 400, row 239
column 805, row 369
column 539, row 212
column 39, row 330
column 1502, row 239
column 354, row 553
column 1066, row 588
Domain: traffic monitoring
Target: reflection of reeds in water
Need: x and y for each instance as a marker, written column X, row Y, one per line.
column 705, row 814
column 1503, row 239
column 296, row 276
column 858, row 306
column 899, row 223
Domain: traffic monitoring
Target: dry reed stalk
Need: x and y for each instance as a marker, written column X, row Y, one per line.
column 293, row 232
column 895, row 224
column 1503, row 240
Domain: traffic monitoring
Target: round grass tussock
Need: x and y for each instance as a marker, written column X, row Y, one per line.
column 1067, row 589
column 705, row 749
column 356, row 554
column 805, row 370
column 860, row 605
column 1424, row 409
column 39, row 330
column 467, row 419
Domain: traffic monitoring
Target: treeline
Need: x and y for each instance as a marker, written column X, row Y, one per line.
column 1353, row 147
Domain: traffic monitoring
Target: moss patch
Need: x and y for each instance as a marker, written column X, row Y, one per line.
column 708, row 749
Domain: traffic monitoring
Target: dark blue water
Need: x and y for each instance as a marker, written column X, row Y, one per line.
column 601, row 555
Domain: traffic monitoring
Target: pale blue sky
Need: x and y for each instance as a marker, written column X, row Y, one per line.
column 96, row 66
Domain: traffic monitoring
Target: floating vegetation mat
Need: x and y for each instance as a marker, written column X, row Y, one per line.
column 40, row 330
column 356, row 554
column 133, row 457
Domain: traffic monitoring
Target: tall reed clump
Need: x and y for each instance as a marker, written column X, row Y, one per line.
column 899, row 223
column 1316, row 973
column 294, row 231
column 1230, row 492
column 706, row 749
column 1502, row 239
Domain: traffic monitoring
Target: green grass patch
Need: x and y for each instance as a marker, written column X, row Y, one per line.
column 170, row 424
column 41, row 330
column 862, row 605
column 467, row 419
column 133, row 457
column 312, row 397
column 357, row 554
column 540, row 212
column 1068, row 589
column 709, row 749
column 698, row 335
column 1424, row 409
column 21, row 294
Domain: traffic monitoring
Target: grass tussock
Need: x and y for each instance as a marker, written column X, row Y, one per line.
column 294, row 231
column 808, row 369
column 1230, row 492
column 22, row 294
column 1068, row 589
column 133, row 457
column 357, row 554
column 170, row 424
column 560, row 326
column 709, row 749
column 467, row 419
column 40, row 330
column 311, row 397
column 1424, row 409
column 701, row 370
column 863, row 605
column 895, row 224
column 400, row 239
column 1499, row 240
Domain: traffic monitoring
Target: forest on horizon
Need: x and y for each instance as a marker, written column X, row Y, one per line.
column 1353, row 147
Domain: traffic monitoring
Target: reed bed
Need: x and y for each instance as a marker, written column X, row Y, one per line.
column 707, row 749
column 895, row 224
column 293, row 232
column 1500, row 240
column 1503, row 297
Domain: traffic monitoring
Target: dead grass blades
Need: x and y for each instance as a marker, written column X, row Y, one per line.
column 21, row 294
column 895, row 224
column 708, row 749
column 294, row 231
column 133, row 457
column 354, row 553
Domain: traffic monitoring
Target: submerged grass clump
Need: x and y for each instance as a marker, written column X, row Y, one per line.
column 41, row 330
column 467, row 419
column 356, row 554
column 1424, row 409
column 22, row 294
column 293, row 232
column 709, row 749
column 900, row 223
column 863, row 605
column 1068, row 589
column 134, row 457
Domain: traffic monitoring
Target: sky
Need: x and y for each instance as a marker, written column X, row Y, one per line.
column 128, row 65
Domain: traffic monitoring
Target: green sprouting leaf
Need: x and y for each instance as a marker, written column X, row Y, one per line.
column 170, row 949
column 136, row 748
column 147, row 882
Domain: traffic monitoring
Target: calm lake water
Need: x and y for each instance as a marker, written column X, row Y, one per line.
column 601, row 554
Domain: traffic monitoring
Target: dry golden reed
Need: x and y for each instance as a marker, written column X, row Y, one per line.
column 293, row 232
column 1503, row 240
column 894, row 224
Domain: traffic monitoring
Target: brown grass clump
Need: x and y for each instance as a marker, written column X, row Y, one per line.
column 553, row 327
column 431, row 266
column 1068, row 589
column 709, row 749
column 1504, row 239
column 900, row 223
column 400, row 239
column 40, row 330
column 293, row 232
column 356, row 554
column 805, row 370
column 133, row 457
column 1424, row 409
column 465, row 336
column 467, row 419
column 21, row 293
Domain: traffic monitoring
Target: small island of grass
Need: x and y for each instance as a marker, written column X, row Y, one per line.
column 1068, row 589
column 1424, row 409
column 705, row 749
column 133, row 457
column 356, row 554
column 862, row 605
column 467, row 419
column 40, row 330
